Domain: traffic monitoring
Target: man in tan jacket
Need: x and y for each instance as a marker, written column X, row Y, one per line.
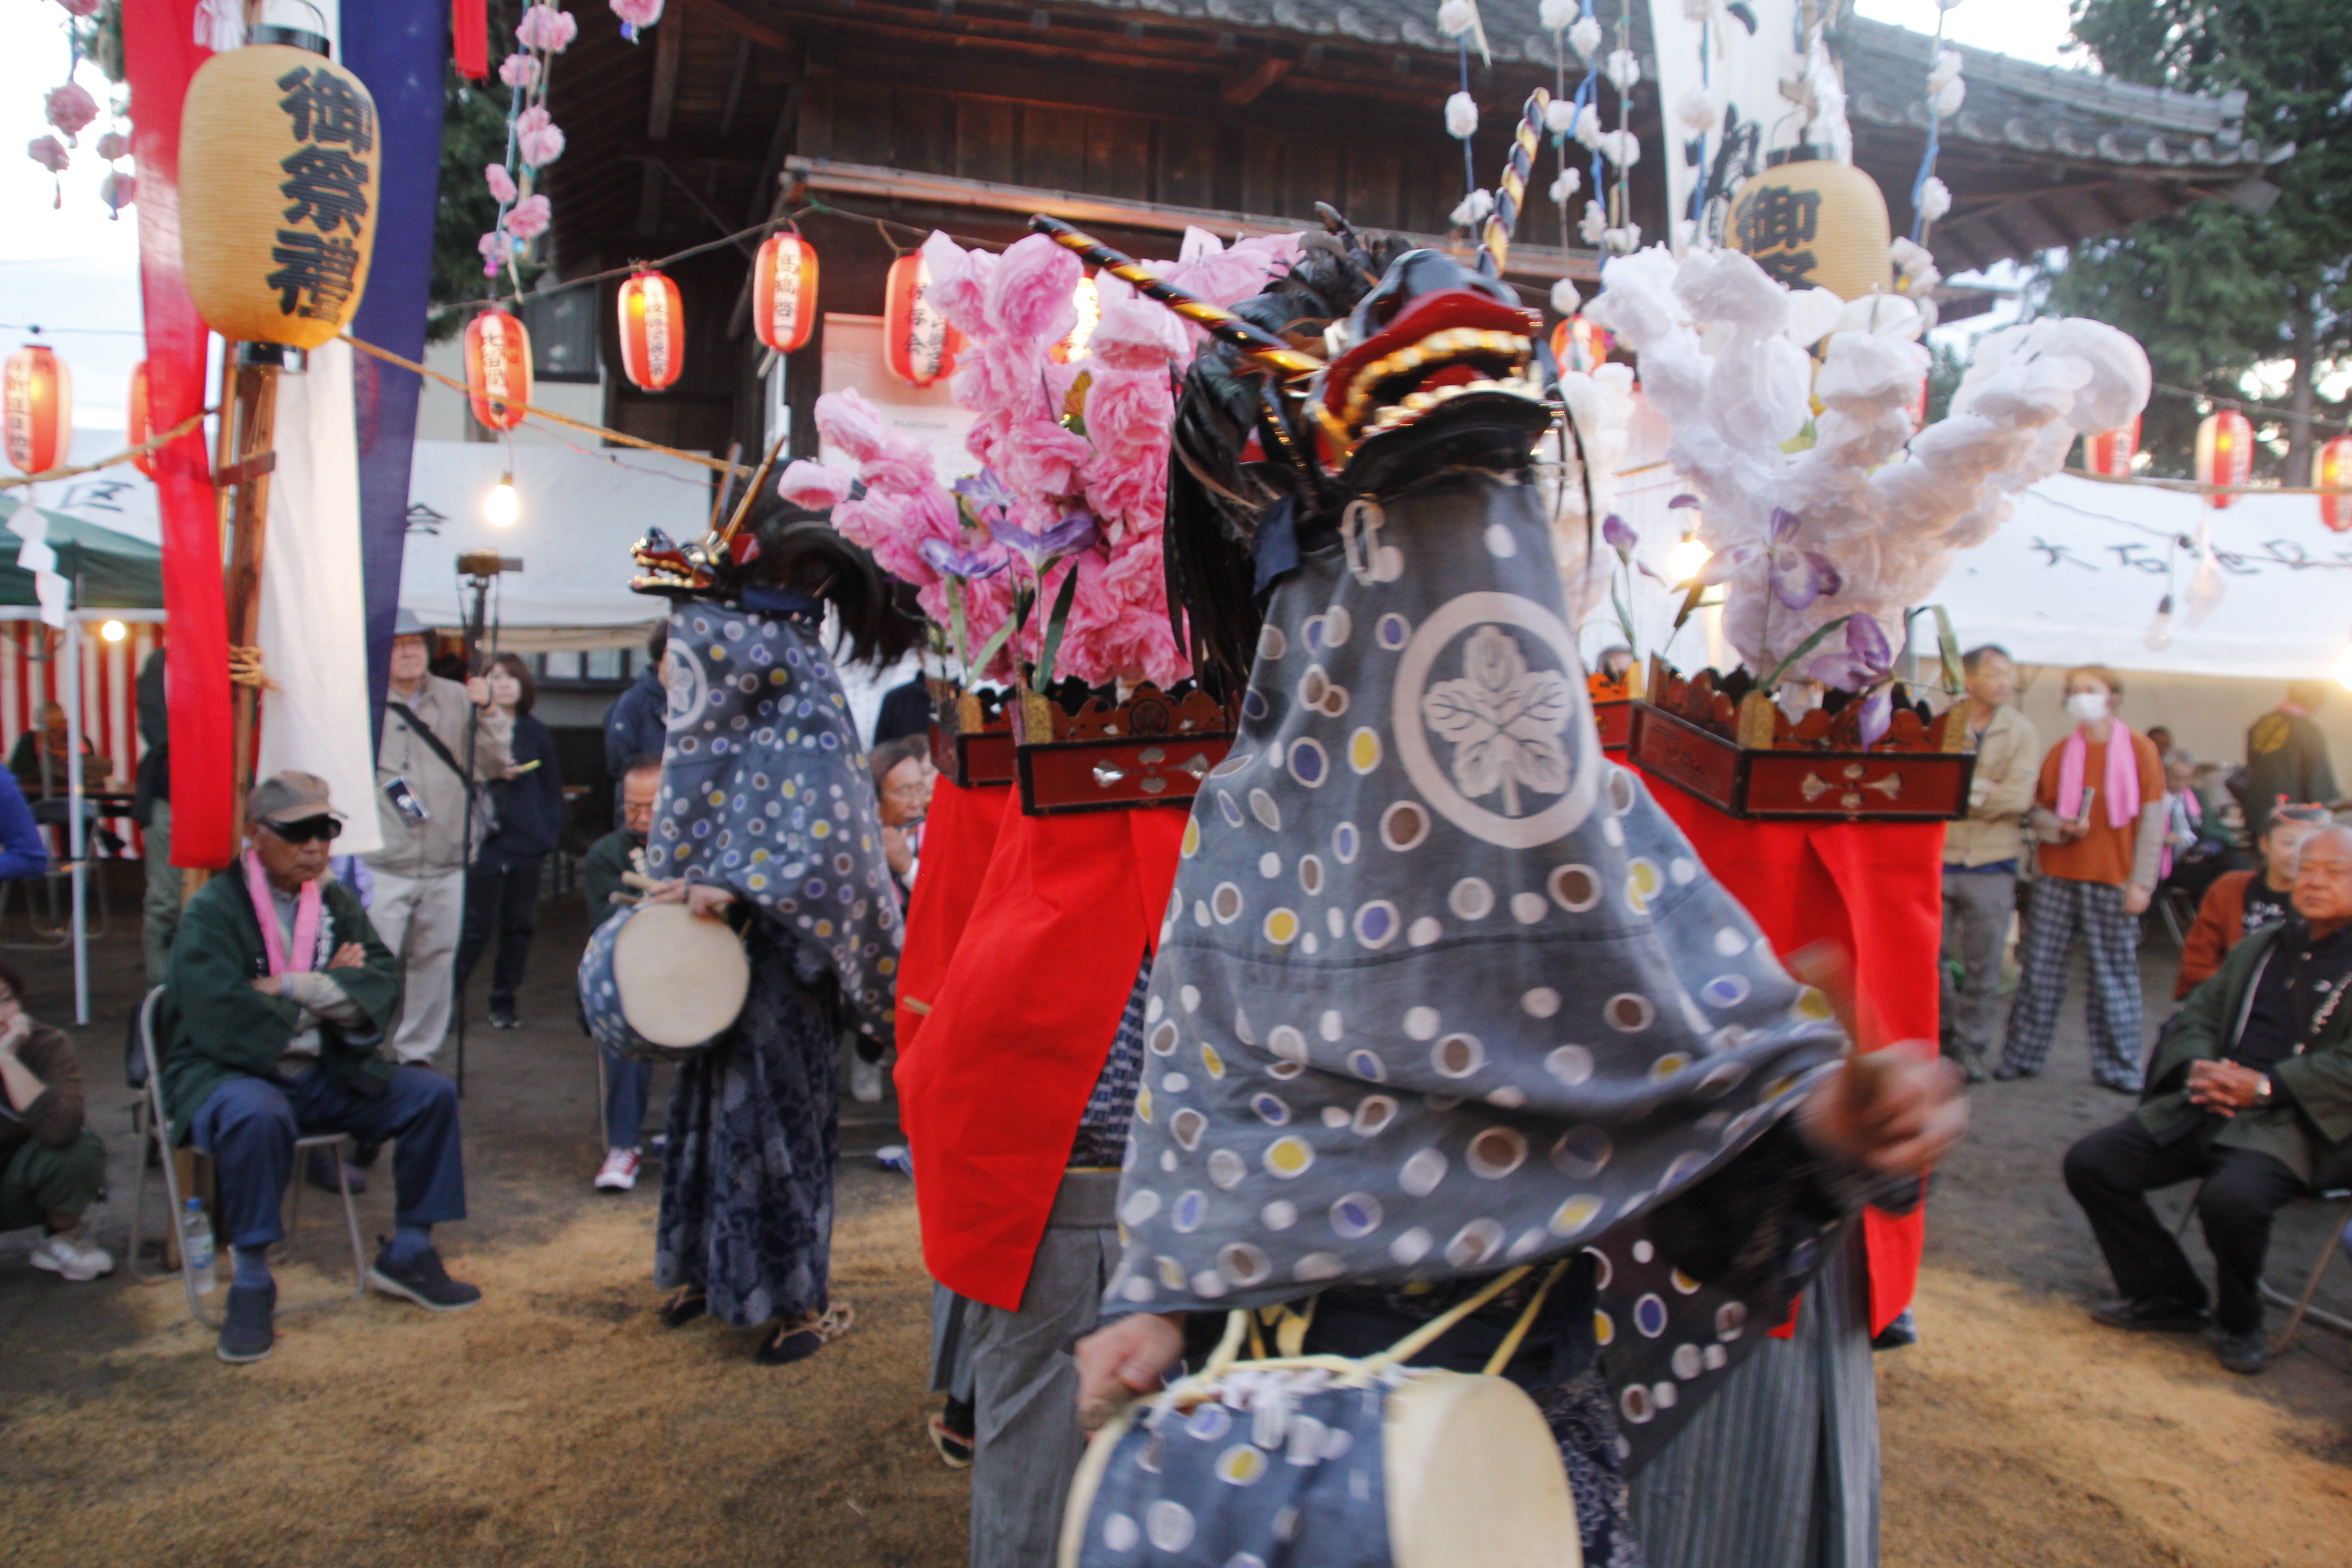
column 1982, row 853
column 422, row 800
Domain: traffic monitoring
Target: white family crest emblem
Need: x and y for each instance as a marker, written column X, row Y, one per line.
column 1506, row 721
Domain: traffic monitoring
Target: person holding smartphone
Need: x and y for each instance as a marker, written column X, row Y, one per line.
column 2098, row 813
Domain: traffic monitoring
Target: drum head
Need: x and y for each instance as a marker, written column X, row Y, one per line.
column 682, row 977
column 1475, row 1477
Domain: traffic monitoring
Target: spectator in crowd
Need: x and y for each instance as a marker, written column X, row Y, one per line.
column 502, row 884
column 2246, row 1091
column 603, row 878
column 2098, row 812
column 271, row 1023
column 636, row 724
column 2160, row 736
column 150, row 808
column 2197, row 846
column 423, row 798
column 906, row 710
column 902, row 780
column 1983, row 852
column 2240, row 903
column 22, row 851
column 52, row 1166
column 39, row 760
column 2286, row 757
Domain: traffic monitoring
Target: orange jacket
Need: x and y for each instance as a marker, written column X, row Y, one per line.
column 2220, row 921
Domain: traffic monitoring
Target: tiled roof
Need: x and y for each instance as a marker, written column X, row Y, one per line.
column 1514, row 34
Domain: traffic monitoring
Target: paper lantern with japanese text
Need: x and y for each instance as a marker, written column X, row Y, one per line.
column 36, row 408
column 141, row 420
column 1815, row 223
column 2111, row 452
column 2225, row 454
column 917, row 342
column 2335, row 472
column 1577, row 345
column 498, row 369
column 278, row 193
column 653, row 331
column 784, row 292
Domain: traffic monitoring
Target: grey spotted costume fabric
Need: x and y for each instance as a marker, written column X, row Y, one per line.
column 1440, row 989
column 765, row 790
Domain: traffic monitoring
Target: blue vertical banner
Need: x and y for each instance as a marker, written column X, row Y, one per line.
column 401, row 49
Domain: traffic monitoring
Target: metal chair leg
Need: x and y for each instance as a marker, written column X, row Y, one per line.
column 2304, row 1309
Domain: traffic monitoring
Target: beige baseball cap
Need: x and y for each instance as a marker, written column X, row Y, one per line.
column 289, row 797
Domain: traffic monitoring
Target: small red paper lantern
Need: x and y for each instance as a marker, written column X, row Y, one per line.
column 141, row 420
column 36, row 405
column 2111, row 451
column 915, row 339
column 498, row 369
column 784, row 292
column 1088, row 302
column 2336, row 474
column 653, row 331
column 1577, row 345
column 2225, row 454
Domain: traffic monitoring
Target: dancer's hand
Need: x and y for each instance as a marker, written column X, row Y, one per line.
column 1129, row 1358
column 1888, row 1111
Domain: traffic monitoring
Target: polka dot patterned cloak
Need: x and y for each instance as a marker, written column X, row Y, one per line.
column 765, row 790
column 1440, row 989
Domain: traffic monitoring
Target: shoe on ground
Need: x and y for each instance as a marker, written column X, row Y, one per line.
column 2007, row 1074
column 803, row 1338
column 954, row 1447
column 421, row 1280
column 684, row 1308
column 2119, row 1085
column 247, row 1332
column 504, row 1018
column 865, row 1080
column 68, row 1254
column 619, row 1172
column 2245, row 1354
column 2153, row 1317
column 319, row 1170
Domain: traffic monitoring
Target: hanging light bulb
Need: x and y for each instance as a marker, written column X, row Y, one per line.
column 2158, row 636
column 114, row 631
column 502, row 506
column 1685, row 560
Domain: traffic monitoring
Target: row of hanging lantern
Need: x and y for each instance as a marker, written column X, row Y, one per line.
column 2225, row 456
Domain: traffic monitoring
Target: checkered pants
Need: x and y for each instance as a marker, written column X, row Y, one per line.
column 2058, row 910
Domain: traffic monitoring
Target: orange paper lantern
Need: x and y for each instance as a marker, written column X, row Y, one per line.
column 653, row 331
column 2336, row 474
column 1577, row 345
column 784, row 292
column 498, row 369
column 2111, row 451
column 2225, row 453
column 916, row 341
column 36, row 405
column 141, row 420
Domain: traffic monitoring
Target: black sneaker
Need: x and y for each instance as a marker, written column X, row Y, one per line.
column 247, row 1332
column 421, row 1280
column 2245, row 1354
column 2152, row 1317
column 504, row 1018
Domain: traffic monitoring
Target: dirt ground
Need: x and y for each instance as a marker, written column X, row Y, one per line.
column 559, row 1424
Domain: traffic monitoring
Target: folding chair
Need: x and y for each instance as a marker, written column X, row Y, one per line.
column 2339, row 1240
column 153, row 1125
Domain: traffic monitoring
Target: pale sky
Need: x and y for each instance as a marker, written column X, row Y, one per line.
column 2032, row 30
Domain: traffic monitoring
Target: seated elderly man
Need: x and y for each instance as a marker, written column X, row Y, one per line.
column 271, row 1024
column 2249, row 1091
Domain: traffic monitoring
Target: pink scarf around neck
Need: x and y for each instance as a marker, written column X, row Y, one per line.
column 2119, row 790
column 265, row 914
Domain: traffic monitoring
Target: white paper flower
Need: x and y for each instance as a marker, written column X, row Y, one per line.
column 1623, row 70
column 1623, row 241
column 1564, row 298
column 1557, row 14
column 1472, row 208
column 1946, row 68
column 1621, row 148
column 1935, row 199
column 1565, row 187
column 1560, row 115
column 1456, row 17
column 1695, row 110
column 1948, row 97
column 1595, row 224
column 1585, row 36
column 1588, row 127
column 1461, row 116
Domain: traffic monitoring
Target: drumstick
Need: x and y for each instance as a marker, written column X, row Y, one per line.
column 1256, row 342
column 1511, row 189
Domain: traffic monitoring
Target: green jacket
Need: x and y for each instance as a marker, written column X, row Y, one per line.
column 601, row 871
column 2314, row 1107
column 212, row 1025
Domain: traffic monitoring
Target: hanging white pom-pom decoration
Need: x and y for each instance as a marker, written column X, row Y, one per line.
column 1948, row 98
column 1621, row 148
column 1695, row 110
column 1565, row 298
column 1557, row 14
column 1472, row 209
column 1461, row 116
column 1935, row 199
column 1559, row 115
column 1588, row 127
column 1456, row 17
column 1623, row 70
column 1595, row 224
column 1623, row 241
column 1585, row 36
column 1567, row 185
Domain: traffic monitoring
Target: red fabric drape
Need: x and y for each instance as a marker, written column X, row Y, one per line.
column 959, row 839
column 469, row 29
column 1019, row 1030
column 159, row 56
column 1878, row 889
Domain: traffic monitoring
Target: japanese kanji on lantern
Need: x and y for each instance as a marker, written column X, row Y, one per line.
column 1815, row 223
column 784, row 292
column 2111, row 452
column 2225, row 453
column 278, row 193
column 498, row 369
column 2334, row 473
column 652, row 330
column 917, row 342
column 37, row 406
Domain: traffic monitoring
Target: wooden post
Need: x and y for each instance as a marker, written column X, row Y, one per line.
column 254, row 412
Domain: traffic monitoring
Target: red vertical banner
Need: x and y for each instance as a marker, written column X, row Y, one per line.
column 469, row 29
column 159, row 56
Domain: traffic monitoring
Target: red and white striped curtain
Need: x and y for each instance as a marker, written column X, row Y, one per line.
column 32, row 673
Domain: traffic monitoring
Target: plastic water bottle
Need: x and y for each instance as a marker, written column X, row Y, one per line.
column 197, row 1245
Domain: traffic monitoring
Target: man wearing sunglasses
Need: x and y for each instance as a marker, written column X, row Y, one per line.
column 272, row 1024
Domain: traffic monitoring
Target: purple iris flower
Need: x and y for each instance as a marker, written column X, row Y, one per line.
column 1618, row 535
column 1075, row 532
column 1866, row 664
column 983, row 490
column 967, row 564
column 1683, row 500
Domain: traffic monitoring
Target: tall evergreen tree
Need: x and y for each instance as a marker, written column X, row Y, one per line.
column 2225, row 285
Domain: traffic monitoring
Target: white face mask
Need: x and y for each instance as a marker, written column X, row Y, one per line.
column 2087, row 707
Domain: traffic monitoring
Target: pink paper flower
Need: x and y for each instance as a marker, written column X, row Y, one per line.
column 547, row 28
column 502, row 183
column 519, row 69
column 118, row 191
column 537, row 135
column 49, row 153
column 70, row 108
column 636, row 14
column 113, row 145
column 812, row 485
column 1031, row 294
column 493, row 247
column 531, row 217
